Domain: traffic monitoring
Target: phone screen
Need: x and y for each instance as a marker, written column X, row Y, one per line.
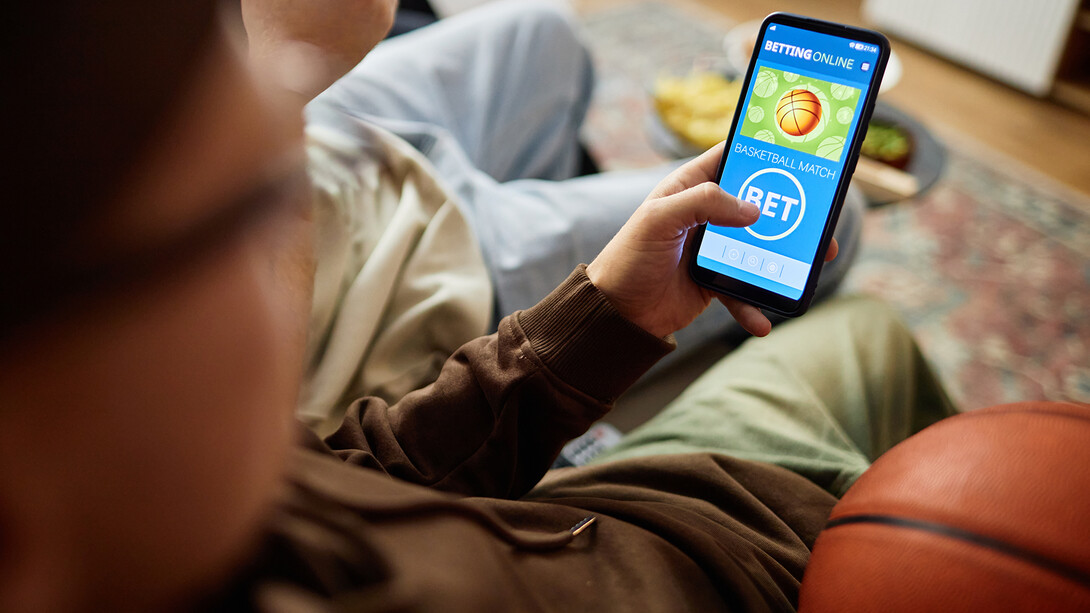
column 788, row 154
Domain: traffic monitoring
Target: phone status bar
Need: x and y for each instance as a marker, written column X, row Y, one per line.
column 864, row 47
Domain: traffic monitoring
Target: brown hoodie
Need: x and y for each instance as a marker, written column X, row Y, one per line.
column 434, row 503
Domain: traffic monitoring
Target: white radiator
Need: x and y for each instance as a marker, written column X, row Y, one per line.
column 1018, row 42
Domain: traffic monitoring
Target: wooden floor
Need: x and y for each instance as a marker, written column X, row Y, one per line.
column 951, row 100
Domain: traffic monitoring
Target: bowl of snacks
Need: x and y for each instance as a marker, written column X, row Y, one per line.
column 692, row 109
column 888, row 143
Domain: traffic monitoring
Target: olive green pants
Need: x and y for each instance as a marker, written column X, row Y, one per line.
column 823, row 396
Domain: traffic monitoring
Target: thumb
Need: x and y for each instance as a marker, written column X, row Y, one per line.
column 703, row 203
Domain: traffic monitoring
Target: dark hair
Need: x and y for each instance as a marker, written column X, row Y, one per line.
column 86, row 85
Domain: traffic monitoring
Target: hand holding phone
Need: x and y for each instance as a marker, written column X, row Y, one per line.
column 642, row 269
column 797, row 130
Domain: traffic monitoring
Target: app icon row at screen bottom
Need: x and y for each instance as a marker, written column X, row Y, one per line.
column 725, row 254
column 756, row 263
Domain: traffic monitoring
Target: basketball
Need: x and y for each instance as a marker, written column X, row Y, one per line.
column 765, row 84
column 798, row 112
column 831, row 148
column 765, row 136
column 841, row 92
column 984, row 511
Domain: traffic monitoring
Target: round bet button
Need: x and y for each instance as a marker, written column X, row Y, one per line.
column 781, row 200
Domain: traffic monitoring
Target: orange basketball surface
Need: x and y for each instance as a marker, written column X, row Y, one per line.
column 984, row 511
column 798, row 112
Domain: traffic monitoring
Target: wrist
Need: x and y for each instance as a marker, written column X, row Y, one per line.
column 578, row 333
column 599, row 275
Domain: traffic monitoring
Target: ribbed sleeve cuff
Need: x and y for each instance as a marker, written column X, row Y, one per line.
column 583, row 340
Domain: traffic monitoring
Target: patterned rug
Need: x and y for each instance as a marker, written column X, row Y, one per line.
column 991, row 267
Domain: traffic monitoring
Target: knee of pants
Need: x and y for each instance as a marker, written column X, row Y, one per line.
column 550, row 23
column 546, row 14
column 869, row 321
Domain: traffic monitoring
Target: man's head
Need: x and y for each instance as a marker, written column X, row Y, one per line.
column 155, row 258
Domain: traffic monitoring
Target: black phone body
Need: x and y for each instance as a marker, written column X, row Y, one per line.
column 807, row 97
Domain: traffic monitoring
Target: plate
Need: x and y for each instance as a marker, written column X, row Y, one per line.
column 928, row 156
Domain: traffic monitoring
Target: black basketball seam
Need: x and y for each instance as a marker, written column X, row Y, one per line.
column 816, row 115
column 1060, row 568
column 790, row 100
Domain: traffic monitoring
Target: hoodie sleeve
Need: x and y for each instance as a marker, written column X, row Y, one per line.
column 504, row 404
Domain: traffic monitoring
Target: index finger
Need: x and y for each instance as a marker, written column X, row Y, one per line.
column 694, row 172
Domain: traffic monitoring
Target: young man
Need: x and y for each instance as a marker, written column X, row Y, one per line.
column 424, row 247
column 158, row 266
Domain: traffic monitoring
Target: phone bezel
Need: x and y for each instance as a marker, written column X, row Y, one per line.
column 747, row 292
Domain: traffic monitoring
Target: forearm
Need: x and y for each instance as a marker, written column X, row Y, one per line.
column 505, row 404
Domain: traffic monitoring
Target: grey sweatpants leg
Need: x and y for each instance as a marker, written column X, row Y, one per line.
column 822, row 396
column 495, row 98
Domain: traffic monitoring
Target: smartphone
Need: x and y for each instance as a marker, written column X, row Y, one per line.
column 808, row 95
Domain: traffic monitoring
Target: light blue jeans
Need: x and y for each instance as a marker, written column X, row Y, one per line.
column 495, row 98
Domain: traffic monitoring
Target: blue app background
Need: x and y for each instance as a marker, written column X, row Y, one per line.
column 779, row 178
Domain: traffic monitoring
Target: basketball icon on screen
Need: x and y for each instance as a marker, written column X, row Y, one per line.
column 798, row 112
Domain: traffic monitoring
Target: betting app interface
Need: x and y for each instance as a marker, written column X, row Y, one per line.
column 789, row 149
